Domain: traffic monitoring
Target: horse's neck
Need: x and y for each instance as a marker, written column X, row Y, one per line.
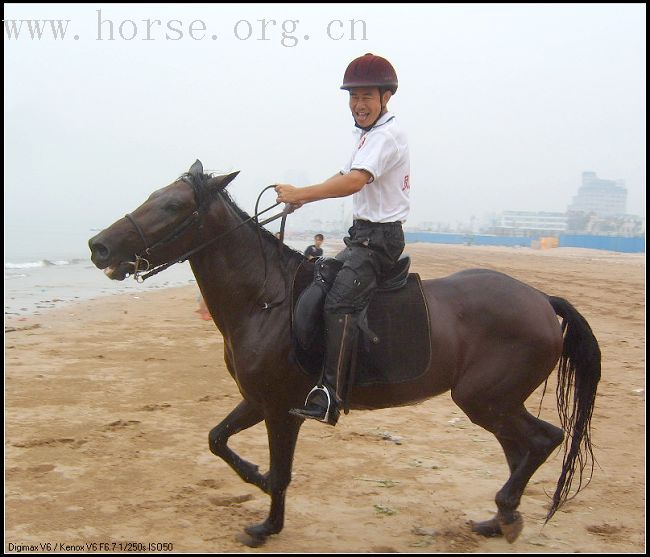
column 232, row 275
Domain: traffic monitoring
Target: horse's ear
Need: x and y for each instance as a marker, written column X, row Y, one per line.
column 220, row 182
column 196, row 169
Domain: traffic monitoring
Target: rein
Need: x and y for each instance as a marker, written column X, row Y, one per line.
column 140, row 274
column 267, row 305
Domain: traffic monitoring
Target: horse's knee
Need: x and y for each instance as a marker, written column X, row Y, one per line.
column 217, row 440
column 278, row 481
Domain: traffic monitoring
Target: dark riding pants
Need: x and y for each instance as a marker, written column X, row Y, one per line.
column 372, row 249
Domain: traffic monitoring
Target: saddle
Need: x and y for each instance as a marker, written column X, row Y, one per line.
column 394, row 342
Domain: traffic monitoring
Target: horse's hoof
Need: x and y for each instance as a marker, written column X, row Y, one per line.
column 512, row 527
column 256, row 534
column 488, row 528
column 250, row 540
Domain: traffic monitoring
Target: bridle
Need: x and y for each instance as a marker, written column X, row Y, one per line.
column 140, row 259
column 142, row 267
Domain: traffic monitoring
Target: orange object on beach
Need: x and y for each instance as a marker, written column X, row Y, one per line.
column 203, row 311
column 205, row 315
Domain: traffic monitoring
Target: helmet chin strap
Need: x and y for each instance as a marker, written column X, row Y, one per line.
column 368, row 128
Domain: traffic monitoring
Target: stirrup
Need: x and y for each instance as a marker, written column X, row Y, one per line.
column 326, row 418
column 329, row 400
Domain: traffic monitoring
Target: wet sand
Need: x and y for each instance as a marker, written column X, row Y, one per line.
column 108, row 405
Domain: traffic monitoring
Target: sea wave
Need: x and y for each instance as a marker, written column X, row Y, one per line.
column 41, row 263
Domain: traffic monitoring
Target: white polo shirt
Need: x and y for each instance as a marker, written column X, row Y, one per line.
column 383, row 152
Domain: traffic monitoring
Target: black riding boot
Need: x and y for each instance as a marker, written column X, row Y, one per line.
column 322, row 402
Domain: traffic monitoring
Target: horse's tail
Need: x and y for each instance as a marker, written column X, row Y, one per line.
column 579, row 368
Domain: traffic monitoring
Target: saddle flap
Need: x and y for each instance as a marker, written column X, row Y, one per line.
column 308, row 316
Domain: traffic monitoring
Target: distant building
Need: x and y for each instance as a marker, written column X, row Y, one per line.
column 598, row 209
column 591, row 223
column 605, row 198
column 529, row 223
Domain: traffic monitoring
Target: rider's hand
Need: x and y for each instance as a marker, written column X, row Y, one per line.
column 288, row 194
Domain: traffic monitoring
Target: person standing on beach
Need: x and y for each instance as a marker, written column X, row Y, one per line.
column 315, row 251
column 377, row 177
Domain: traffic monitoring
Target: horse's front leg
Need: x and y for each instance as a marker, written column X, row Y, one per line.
column 283, row 431
column 245, row 415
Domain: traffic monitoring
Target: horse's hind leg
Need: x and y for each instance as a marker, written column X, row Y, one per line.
column 514, row 456
column 245, row 415
column 527, row 443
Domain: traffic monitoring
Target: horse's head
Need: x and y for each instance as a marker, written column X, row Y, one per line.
column 163, row 228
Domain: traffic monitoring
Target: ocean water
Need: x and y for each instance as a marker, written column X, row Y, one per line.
column 36, row 284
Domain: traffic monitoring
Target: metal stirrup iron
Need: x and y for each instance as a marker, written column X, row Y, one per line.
column 329, row 401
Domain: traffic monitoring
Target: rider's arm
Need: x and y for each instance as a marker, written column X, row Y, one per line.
column 339, row 185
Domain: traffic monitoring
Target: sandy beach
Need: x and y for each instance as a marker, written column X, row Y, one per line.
column 108, row 405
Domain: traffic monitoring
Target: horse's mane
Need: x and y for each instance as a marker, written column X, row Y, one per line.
column 243, row 215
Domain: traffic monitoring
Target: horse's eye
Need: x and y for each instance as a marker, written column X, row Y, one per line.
column 172, row 207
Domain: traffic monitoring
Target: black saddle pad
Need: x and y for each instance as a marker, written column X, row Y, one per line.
column 401, row 321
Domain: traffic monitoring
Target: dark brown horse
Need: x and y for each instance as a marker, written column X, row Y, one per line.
column 494, row 340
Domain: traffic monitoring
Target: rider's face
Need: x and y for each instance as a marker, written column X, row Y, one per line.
column 365, row 104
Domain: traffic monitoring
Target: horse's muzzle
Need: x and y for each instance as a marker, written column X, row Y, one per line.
column 100, row 253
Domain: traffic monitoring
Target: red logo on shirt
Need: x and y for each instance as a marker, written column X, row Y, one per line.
column 406, row 186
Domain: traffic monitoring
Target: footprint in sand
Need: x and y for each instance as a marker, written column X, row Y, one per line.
column 227, row 501
column 609, row 531
column 213, row 484
column 120, row 424
column 41, row 468
column 152, row 407
column 74, row 443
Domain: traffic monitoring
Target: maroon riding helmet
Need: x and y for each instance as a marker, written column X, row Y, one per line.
column 370, row 71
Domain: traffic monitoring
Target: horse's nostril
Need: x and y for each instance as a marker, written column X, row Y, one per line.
column 99, row 251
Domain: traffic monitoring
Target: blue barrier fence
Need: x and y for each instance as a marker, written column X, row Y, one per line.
column 610, row 243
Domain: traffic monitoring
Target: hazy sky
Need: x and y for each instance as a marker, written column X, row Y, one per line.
column 504, row 105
